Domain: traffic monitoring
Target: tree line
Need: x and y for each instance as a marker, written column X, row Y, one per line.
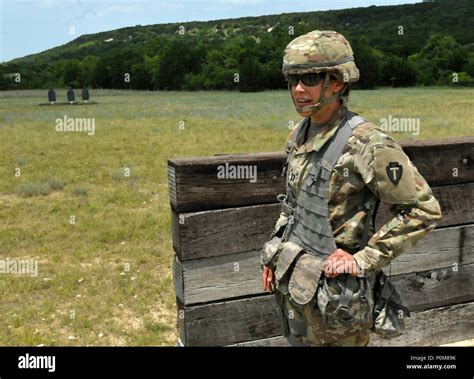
column 245, row 55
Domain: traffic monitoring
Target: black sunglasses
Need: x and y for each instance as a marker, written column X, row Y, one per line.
column 309, row 80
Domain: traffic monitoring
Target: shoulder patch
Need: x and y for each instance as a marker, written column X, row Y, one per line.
column 394, row 172
column 394, row 175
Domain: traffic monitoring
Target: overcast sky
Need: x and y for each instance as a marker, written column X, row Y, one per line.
column 32, row 26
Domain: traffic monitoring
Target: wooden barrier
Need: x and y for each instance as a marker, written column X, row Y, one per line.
column 220, row 225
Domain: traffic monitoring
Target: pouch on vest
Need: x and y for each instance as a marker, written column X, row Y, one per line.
column 389, row 312
column 346, row 302
column 281, row 312
column 287, row 253
column 305, row 278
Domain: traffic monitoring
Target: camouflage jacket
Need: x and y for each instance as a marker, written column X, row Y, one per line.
column 364, row 173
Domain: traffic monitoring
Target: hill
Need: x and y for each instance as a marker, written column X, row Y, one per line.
column 388, row 42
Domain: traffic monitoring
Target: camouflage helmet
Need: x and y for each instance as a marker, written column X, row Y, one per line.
column 319, row 51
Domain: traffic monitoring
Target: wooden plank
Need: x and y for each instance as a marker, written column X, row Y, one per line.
column 229, row 322
column 218, row 278
column 469, row 342
column 434, row 327
column 236, row 275
column 441, row 162
column 456, row 202
column 441, row 248
column 421, row 290
column 178, row 279
column 252, row 318
column 222, row 232
column 436, row 288
column 178, row 232
column 172, row 185
column 198, row 186
column 181, row 323
column 265, row 342
column 194, row 183
column 236, row 230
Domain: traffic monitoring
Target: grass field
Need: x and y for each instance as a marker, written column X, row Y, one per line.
column 102, row 237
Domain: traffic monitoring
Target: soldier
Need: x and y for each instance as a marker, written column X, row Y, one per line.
column 320, row 261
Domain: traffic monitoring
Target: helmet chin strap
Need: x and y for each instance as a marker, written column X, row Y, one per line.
column 322, row 101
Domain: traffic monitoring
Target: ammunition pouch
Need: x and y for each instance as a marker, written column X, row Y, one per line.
column 346, row 302
column 389, row 310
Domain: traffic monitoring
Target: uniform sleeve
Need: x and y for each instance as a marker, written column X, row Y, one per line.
column 390, row 176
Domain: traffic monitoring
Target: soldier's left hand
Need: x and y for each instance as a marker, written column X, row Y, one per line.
column 340, row 262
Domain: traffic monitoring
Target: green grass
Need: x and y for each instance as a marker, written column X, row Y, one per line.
column 29, row 189
column 111, row 268
column 79, row 191
column 41, row 188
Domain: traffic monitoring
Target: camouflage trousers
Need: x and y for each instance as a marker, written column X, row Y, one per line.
column 303, row 325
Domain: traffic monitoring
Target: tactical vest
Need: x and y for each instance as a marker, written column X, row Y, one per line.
column 308, row 222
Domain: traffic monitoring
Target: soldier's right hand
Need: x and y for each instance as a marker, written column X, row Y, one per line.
column 268, row 279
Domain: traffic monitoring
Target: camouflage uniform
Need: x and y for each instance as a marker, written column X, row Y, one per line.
column 368, row 169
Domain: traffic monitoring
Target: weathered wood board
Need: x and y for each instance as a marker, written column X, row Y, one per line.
column 223, row 323
column 429, row 328
column 251, row 318
column 236, row 275
column 434, row 327
column 194, row 183
column 228, row 231
column 224, row 231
